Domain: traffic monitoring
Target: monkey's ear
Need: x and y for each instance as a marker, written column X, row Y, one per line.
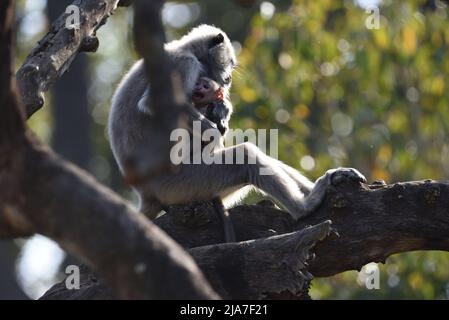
column 217, row 40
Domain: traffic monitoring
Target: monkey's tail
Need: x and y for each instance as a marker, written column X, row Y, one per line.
column 228, row 226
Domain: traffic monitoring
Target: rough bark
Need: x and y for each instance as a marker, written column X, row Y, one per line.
column 266, row 268
column 56, row 51
column 372, row 221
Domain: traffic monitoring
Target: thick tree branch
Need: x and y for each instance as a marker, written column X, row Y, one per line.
column 136, row 258
column 53, row 55
column 267, row 268
column 167, row 97
column 274, row 267
column 373, row 222
column 44, row 194
column 12, row 132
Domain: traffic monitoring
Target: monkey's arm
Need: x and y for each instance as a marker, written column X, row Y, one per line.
column 189, row 68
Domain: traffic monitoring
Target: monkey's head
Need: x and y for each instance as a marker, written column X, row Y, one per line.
column 213, row 49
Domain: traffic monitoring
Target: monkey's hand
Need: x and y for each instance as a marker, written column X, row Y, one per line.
column 216, row 112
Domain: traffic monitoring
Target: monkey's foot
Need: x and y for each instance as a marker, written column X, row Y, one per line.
column 340, row 175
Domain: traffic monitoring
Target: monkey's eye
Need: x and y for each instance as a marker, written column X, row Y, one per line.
column 228, row 80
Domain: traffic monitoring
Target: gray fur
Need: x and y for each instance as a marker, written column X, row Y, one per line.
column 131, row 130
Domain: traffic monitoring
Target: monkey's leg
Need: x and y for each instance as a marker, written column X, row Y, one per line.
column 303, row 182
column 195, row 182
column 279, row 184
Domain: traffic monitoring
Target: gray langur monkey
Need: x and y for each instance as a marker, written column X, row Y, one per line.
column 206, row 51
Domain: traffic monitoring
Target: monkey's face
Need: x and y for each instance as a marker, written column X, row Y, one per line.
column 213, row 50
column 219, row 61
column 206, row 91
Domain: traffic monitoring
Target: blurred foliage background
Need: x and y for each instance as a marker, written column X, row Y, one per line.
column 340, row 94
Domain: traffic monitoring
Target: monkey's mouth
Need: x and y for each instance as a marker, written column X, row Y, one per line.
column 198, row 97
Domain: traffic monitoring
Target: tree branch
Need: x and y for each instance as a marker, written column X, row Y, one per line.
column 167, row 97
column 53, row 55
column 12, row 132
column 136, row 258
column 373, row 222
column 271, row 267
column 44, row 194
column 267, row 268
